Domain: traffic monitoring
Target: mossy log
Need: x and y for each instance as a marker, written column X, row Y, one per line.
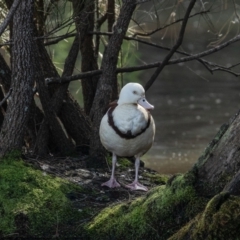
column 219, row 220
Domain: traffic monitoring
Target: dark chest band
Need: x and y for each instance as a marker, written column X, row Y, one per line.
column 128, row 134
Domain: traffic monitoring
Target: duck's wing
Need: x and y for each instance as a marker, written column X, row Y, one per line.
column 128, row 124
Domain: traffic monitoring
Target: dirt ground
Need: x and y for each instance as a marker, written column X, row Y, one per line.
column 75, row 170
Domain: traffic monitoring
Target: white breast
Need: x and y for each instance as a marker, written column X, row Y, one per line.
column 128, row 117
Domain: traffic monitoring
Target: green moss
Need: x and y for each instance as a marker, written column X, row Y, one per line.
column 154, row 216
column 125, row 163
column 219, row 220
column 157, row 178
column 38, row 198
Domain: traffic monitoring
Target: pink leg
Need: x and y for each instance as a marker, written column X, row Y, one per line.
column 112, row 182
column 135, row 185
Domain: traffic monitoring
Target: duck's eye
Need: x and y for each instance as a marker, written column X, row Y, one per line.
column 143, row 100
column 134, row 92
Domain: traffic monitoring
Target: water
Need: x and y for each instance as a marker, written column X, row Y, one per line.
column 188, row 112
column 190, row 103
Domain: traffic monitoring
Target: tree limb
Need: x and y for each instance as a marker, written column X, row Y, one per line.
column 168, row 25
column 6, row 97
column 63, row 80
column 9, row 16
column 174, row 48
column 157, row 64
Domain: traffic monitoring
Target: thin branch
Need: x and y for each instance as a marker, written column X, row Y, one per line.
column 174, row 48
column 157, row 64
column 73, row 78
column 58, row 39
column 207, row 52
column 168, row 25
column 142, row 1
column 63, row 80
column 6, row 97
column 153, row 45
column 9, row 16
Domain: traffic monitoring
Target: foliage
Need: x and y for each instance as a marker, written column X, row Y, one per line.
column 37, row 197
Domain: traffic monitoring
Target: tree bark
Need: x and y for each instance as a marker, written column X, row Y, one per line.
column 2, row 110
column 111, row 21
column 84, row 14
column 221, row 159
column 61, row 143
column 5, row 75
column 71, row 114
column 58, row 95
column 105, row 84
column 24, row 65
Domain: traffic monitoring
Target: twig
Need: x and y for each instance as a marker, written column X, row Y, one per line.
column 174, row 48
column 157, row 64
column 63, row 80
column 168, row 25
column 204, row 62
column 9, row 16
column 6, row 97
column 207, row 52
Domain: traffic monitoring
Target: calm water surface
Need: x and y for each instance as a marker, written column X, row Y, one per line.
column 190, row 103
column 189, row 110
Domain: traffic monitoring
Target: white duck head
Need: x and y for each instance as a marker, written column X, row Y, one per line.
column 134, row 93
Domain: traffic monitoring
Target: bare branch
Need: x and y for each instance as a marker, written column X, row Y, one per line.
column 154, row 45
column 72, row 78
column 157, row 64
column 207, row 52
column 141, row 1
column 58, row 39
column 9, row 16
column 174, row 48
column 6, row 97
column 168, row 25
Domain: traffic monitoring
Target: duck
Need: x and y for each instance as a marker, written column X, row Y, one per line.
column 128, row 129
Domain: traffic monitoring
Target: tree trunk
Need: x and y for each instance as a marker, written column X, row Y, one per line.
column 111, row 21
column 5, row 75
column 60, row 142
column 23, row 74
column 221, row 159
column 58, row 94
column 85, row 24
column 71, row 114
column 105, row 85
column 2, row 108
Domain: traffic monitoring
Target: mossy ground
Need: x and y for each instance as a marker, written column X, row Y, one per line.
column 155, row 216
column 33, row 203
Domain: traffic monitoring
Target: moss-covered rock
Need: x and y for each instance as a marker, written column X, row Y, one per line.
column 33, row 203
column 157, row 215
column 220, row 220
